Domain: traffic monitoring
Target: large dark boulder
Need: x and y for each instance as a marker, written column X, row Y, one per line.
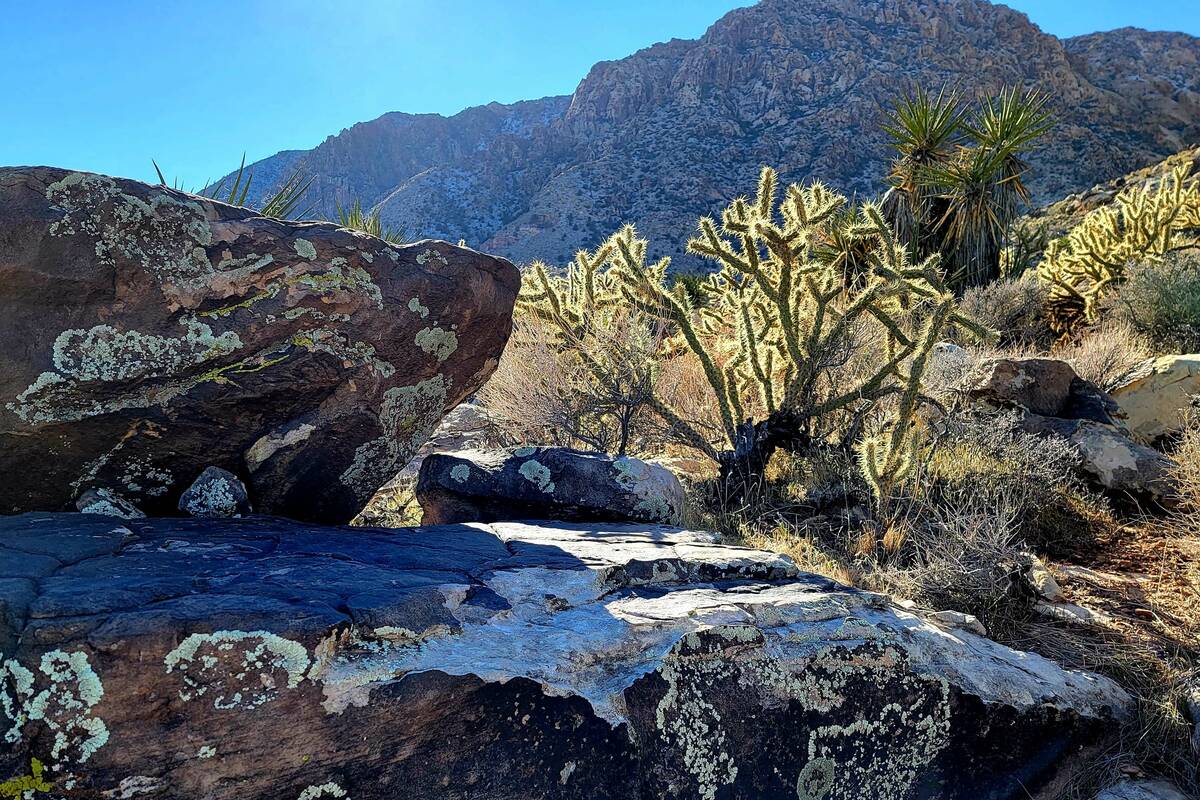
column 150, row 333
column 260, row 659
column 545, row 483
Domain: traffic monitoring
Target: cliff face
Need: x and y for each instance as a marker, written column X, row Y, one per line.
column 678, row 129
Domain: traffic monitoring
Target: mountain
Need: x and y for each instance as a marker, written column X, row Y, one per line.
column 678, row 129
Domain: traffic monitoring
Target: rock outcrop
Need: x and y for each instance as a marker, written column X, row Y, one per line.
column 161, row 332
column 260, row 659
column 1157, row 396
column 546, row 483
column 674, row 131
column 1054, row 401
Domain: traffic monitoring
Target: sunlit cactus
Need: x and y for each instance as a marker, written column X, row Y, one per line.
column 1142, row 223
column 778, row 317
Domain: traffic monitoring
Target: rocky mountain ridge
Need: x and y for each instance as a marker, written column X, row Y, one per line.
column 677, row 129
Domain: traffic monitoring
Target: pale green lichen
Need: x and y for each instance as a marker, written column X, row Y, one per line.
column 238, row 667
column 538, row 474
column 103, row 353
column 652, row 509
column 407, row 415
column 524, row 452
column 425, row 256
column 460, row 473
column 438, row 342
column 165, row 235
column 334, row 343
column 414, row 305
column 329, row 789
column 71, row 690
column 206, row 751
column 305, row 249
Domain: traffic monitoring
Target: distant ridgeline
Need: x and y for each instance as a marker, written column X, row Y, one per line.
column 676, row 130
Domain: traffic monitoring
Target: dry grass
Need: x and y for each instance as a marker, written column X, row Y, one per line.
column 1146, row 579
column 1107, row 353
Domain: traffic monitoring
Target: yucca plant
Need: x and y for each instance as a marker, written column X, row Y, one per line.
column 280, row 204
column 958, row 180
column 356, row 218
column 925, row 130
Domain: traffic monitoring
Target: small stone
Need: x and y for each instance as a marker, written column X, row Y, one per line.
column 216, row 493
column 1042, row 580
column 958, row 619
column 107, row 502
column 1076, row 615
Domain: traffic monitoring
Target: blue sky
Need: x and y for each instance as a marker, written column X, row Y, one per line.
column 106, row 85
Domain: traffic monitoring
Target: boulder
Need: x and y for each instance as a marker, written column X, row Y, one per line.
column 1158, row 394
column 1114, row 461
column 545, row 483
column 161, row 332
column 259, row 659
column 1142, row 790
column 106, row 502
column 1041, row 385
column 216, row 493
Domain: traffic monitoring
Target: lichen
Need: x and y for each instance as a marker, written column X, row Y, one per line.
column 425, row 256
column 407, row 415
column 206, row 751
column 437, row 341
column 23, row 787
column 70, row 689
column 414, row 305
column 538, row 474
column 305, row 249
column 166, row 236
column 237, row 667
column 460, row 473
column 328, row 789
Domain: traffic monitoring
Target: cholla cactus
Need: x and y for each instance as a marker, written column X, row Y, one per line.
column 1142, row 223
column 781, row 313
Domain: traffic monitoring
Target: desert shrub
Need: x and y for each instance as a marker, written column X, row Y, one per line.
column 587, row 387
column 1014, row 308
column 1161, row 301
column 1106, row 353
column 779, row 319
column 1186, row 473
column 1142, row 224
column 987, row 455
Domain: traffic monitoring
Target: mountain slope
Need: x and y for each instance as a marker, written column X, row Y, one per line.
column 679, row 128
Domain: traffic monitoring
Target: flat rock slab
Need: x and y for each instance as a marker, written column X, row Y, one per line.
column 263, row 658
column 152, row 333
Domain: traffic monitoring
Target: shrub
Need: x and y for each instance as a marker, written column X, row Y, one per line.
column 1107, row 353
column 588, row 388
column 1143, row 223
column 1015, row 308
column 1161, row 301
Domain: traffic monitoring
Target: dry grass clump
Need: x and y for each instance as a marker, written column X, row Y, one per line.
column 1015, row 308
column 1107, row 353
